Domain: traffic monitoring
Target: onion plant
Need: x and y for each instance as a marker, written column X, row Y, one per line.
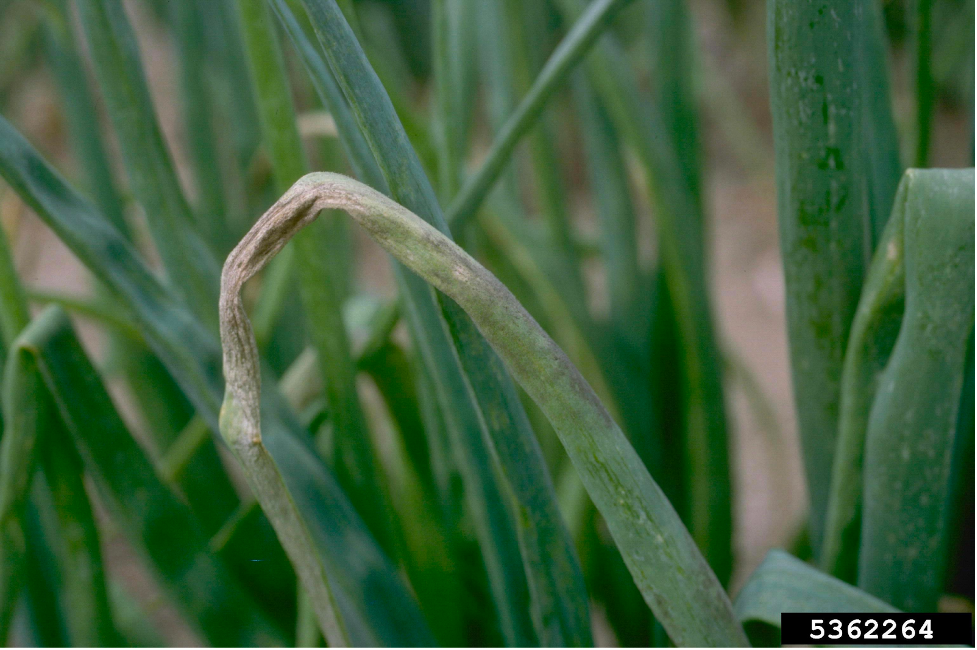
column 490, row 456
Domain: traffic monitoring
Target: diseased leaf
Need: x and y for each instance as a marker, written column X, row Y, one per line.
column 674, row 577
column 833, row 160
column 355, row 460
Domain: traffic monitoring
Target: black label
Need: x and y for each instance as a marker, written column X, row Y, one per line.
column 876, row 629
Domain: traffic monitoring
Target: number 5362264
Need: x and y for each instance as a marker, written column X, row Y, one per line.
column 876, row 628
column 871, row 629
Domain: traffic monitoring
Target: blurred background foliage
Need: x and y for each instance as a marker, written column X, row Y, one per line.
column 571, row 227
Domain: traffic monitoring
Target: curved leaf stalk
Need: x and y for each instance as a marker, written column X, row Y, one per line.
column 532, row 260
column 566, row 327
column 270, row 490
column 912, row 424
column 673, row 576
column 545, row 257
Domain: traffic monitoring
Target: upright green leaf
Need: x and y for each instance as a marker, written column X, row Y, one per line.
column 568, row 53
column 612, row 200
column 81, row 583
column 196, row 81
column 452, row 21
column 910, row 437
column 528, row 24
column 14, row 314
column 922, row 24
column 624, row 349
column 81, row 116
column 681, row 242
column 825, row 232
column 672, row 55
column 44, row 624
column 226, row 50
column 672, row 74
column 973, row 88
column 357, row 149
column 17, row 443
column 16, row 449
column 12, row 550
column 189, row 265
column 162, row 406
column 24, row 417
column 879, row 140
column 165, row 410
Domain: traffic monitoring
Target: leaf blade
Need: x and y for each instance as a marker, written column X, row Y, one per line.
column 825, row 237
column 911, row 428
column 156, row 520
column 112, row 43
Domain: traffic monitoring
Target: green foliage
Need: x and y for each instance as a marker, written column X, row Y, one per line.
column 516, row 465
